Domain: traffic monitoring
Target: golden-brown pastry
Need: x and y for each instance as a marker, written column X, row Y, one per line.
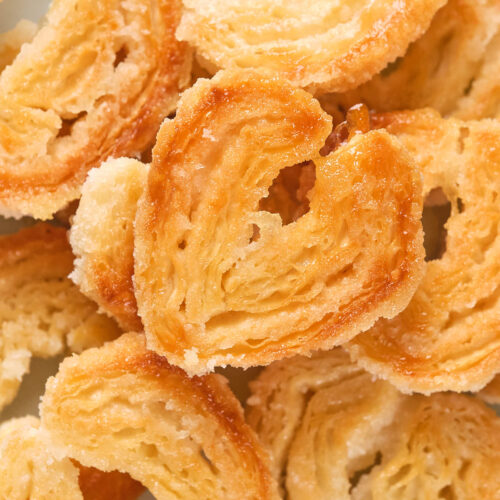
column 102, row 238
column 219, row 281
column 41, row 310
column 123, row 407
column 12, row 41
column 453, row 67
column 333, row 46
column 336, row 432
column 31, row 469
column 491, row 393
column 448, row 338
column 96, row 81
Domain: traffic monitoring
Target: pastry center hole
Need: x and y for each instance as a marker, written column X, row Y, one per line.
column 120, row 56
column 289, row 195
column 67, row 124
column 437, row 210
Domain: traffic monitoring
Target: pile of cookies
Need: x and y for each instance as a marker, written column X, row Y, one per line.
column 308, row 187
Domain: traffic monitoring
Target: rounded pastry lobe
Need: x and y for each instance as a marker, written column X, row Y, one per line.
column 448, row 338
column 102, row 238
column 31, row 468
column 221, row 279
column 453, row 67
column 335, row 432
column 326, row 45
column 40, row 309
column 123, row 407
column 96, row 81
column 491, row 392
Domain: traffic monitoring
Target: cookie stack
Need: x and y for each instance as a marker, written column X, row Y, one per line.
column 311, row 188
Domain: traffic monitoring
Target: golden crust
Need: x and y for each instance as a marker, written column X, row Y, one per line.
column 448, row 338
column 30, row 468
column 491, row 392
column 96, row 81
column 123, row 407
column 335, row 432
column 102, row 238
column 208, row 293
column 40, row 309
column 453, row 67
column 332, row 46
column 12, row 41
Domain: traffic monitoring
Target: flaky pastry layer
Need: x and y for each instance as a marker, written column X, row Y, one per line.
column 102, row 238
column 448, row 338
column 336, row 432
column 219, row 280
column 96, row 81
column 453, row 67
column 325, row 45
column 123, row 407
column 31, row 469
column 41, row 310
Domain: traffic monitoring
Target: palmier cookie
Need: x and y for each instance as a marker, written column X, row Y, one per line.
column 96, row 81
column 41, row 310
column 332, row 46
column 336, row 432
column 491, row 392
column 31, row 468
column 123, row 407
column 448, row 338
column 453, row 67
column 102, row 238
column 219, row 281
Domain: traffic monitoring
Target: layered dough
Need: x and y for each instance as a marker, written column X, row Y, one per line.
column 96, row 81
column 453, row 67
column 31, row 469
column 41, row 310
column 220, row 281
column 336, row 432
column 123, row 407
column 326, row 45
column 102, row 238
column 448, row 338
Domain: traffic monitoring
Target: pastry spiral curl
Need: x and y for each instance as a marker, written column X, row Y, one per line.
column 123, row 407
column 219, row 281
column 448, row 338
column 31, row 469
column 332, row 46
column 96, row 81
column 453, row 67
column 40, row 309
column 335, row 432
column 102, row 238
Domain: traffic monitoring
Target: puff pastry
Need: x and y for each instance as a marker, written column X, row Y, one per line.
column 219, row 281
column 12, row 41
column 31, row 469
column 448, row 338
column 96, row 81
column 102, row 238
column 335, row 432
column 453, row 67
column 123, row 407
column 40, row 309
column 332, row 46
